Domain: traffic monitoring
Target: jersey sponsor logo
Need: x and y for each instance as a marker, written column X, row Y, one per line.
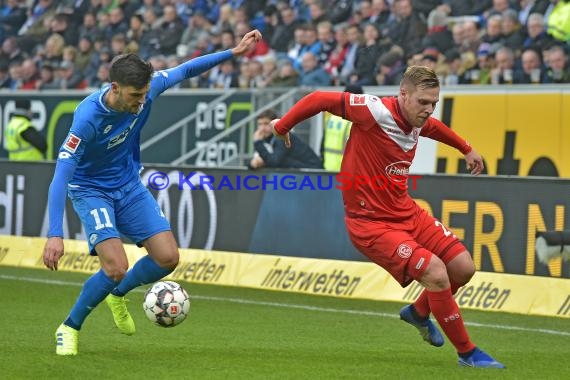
column 63, row 155
column 121, row 136
column 404, row 251
column 71, row 143
column 357, row 100
column 398, row 171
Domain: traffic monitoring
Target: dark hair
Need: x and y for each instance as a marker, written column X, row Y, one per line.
column 130, row 70
column 267, row 114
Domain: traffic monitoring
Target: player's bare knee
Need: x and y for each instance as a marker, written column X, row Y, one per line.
column 169, row 260
column 116, row 273
column 435, row 276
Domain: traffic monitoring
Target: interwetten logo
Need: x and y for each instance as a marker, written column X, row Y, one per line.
column 395, row 179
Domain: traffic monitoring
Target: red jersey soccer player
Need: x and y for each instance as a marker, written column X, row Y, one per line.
column 388, row 226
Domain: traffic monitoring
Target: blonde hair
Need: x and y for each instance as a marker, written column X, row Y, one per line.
column 420, row 77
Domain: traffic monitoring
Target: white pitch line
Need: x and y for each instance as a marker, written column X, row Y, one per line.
column 300, row 307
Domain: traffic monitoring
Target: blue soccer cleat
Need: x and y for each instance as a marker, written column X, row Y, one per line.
column 428, row 330
column 480, row 359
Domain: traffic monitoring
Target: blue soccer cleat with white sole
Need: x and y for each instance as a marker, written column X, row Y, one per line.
column 479, row 359
column 428, row 330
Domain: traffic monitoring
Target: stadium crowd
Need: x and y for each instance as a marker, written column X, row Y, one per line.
column 68, row 44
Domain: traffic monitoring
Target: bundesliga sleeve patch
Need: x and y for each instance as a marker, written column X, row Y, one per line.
column 357, row 100
column 71, row 143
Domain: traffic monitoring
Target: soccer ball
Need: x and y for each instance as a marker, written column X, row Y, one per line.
column 166, row 304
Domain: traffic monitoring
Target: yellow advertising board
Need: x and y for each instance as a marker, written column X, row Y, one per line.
column 359, row 280
column 522, row 133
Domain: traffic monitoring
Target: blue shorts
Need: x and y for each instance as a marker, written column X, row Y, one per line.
column 131, row 212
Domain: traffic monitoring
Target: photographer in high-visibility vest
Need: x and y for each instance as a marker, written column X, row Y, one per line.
column 335, row 136
column 22, row 141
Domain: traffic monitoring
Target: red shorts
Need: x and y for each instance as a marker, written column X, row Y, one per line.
column 394, row 246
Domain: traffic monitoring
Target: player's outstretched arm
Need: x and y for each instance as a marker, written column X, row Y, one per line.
column 165, row 79
column 307, row 107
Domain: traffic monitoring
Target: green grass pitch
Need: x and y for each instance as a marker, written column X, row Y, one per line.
column 236, row 333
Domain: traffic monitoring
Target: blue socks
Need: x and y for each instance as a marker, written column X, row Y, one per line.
column 95, row 289
column 145, row 271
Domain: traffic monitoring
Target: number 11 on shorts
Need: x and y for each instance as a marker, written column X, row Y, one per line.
column 98, row 224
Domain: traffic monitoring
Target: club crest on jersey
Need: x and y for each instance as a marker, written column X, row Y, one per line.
column 357, row 100
column 121, row 136
column 404, row 251
column 71, row 143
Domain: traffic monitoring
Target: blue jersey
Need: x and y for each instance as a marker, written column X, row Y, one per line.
column 102, row 149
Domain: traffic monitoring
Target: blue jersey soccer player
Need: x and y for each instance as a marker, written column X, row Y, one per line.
column 99, row 165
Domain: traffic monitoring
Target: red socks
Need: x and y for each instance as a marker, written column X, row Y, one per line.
column 422, row 305
column 445, row 310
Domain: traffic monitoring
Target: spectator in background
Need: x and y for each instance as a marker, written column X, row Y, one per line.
column 312, row 74
column 510, row 28
column 318, row 12
column 30, row 75
column 5, row 79
column 227, row 76
column 337, row 57
column 493, row 30
column 326, row 38
column 438, row 34
column 503, row 71
column 537, row 38
column 271, row 152
column 340, row 11
column 367, row 55
column 15, row 72
column 465, row 7
column 354, row 37
column 532, row 70
column 61, row 25
column 170, row 31
column 12, row 17
column 35, row 29
column 391, row 67
column 84, row 54
column 480, row 73
column 22, row 141
column 284, row 32
column 309, row 43
column 286, row 75
column 53, row 52
column 528, row 7
column 47, row 79
column 89, row 26
column 558, row 70
column 71, row 79
column 406, row 29
column 11, row 51
column 335, row 135
column 101, row 78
